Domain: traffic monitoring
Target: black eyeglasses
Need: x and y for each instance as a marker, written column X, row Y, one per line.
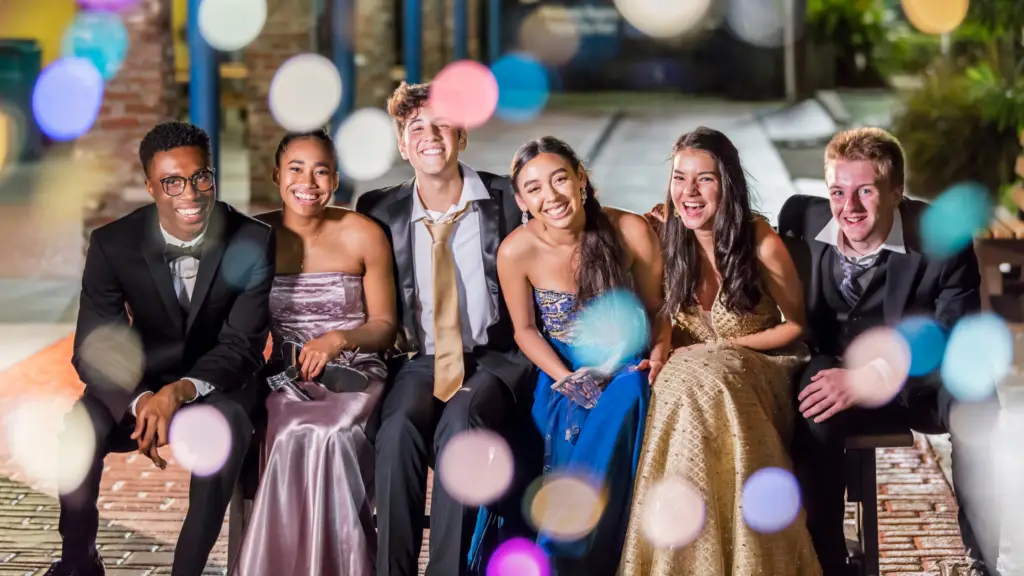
column 202, row 181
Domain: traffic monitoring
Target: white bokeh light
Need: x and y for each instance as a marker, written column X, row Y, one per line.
column 305, row 92
column 366, row 144
column 200, row 439
column 476, row 467
column 566, row 507
column 550, row 34
column 230, row 25
column 673, row 514
column 887, row 345
column 114, row 354
column 664, row 18
column 34, row 428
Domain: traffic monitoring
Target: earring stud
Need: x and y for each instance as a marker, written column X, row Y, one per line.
column 525, row 218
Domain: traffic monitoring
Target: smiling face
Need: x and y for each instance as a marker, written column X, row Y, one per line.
column 549, row 187
column 306, row 177
column 431, row 143
column 696, row 188
column 862, row 201
column 182, row 185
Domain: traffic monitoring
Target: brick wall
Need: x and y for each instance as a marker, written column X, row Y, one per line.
column 141, row 95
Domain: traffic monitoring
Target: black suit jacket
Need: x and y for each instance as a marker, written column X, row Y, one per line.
column 915, row 284
column 127, row 282
column 392, row 209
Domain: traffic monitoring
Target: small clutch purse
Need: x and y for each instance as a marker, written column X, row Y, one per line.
column 580, row 387
column 336, row 376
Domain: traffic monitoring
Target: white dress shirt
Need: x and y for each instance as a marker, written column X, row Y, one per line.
column 893, row 242
column 183, row 273
column 476, row 311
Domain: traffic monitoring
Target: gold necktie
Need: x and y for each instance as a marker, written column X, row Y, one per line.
column 448, row 362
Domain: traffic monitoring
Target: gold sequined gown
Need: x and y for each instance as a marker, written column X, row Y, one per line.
column 718, row 414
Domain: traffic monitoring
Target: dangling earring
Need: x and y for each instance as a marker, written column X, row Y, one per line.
column 583, row 194
column 525, row 218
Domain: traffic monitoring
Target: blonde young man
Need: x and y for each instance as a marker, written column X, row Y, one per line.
column 867, row 269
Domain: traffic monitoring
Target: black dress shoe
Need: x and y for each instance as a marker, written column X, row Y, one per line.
column 92, row 567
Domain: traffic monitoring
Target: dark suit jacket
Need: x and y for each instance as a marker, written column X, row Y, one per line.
column 392, row 209
column 127, row 282
column 915, row 284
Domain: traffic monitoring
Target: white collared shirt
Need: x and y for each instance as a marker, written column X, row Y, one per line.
column 476, row 311
column 893, row 243
column 183, row 274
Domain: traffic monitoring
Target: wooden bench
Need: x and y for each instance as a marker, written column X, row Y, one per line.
column 1000, row 251
column 862, row 490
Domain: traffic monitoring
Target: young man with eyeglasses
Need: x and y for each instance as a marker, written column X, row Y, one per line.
column 190, row 276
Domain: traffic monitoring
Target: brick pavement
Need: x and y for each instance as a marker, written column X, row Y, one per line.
column 141, row 507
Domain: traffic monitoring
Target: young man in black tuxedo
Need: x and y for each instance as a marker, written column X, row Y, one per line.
column 191, row 277
column 462, row 370
column 866, row 269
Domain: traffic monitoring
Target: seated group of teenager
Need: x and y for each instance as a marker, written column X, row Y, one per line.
column 448, row 303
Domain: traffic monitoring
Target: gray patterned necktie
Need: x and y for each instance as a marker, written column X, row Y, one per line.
column 853, row 270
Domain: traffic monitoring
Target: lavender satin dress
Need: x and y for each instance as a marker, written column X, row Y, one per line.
column 313, row 512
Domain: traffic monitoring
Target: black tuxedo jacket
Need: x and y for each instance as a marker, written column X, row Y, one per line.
column 915, row 284
column 127, row 282
column 392, row 209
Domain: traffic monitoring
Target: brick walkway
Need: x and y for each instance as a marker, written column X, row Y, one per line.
column 141, row 507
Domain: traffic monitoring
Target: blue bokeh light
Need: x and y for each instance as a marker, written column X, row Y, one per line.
column 979, row 354
column 612, row 328
column 522, row 87
column 927, row 343
column 950, row 223
column 99, row 37
column 771, row 500
column 67, row 98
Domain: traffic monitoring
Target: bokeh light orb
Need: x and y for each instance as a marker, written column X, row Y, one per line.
column 244, row 264
column 771, row 500
column 522, row 87
column 366, row 144
column 230, row 25
column 464, row 92
column 664, row 18
column 200, row 439
column 518, row 557
column 551, row 34
column 935, row 16
column 887, row 345
column 305, row 92
column 99, row 37
column 476, row 467
column 757, row 22
column 926, row 341
column 673, row 514
column 112, row 354
column 566, row 507
column 49, row 443
column 67, row 98
column 950, row 223
column 978, row 356
column 612, row 328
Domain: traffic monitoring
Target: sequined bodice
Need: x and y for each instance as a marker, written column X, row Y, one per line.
column 311, row 304
column 696, row 325
column 557, row 313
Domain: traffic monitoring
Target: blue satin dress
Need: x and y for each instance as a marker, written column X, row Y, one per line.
column 601, row 445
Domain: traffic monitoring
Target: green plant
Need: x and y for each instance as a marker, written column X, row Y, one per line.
column 852, row 27
column 949, row 138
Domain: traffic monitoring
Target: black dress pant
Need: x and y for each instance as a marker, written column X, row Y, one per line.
column 208, row 496
column 923, row 405
column 414, row 428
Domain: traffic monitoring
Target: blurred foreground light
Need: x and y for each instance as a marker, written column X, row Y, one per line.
column 305, row 92
column 518, row 557
column 664, row 18
column 522, row 87
column 950, row 223
column 244, row 264
column 936, row 16
column 113, row 354
column 200, row 439
column 366, row 144
column 612, row 328
column 878, row 344
column 979, row 355
column 50, row 444
column 67, row 98
column 464, row 92
column 99, row 37
column 229, row 25
column 566, row 507
column 927, row 342
column 476, row 467
column 758, row 22
column 673, row 514
column 771, row 500
column 551, row 34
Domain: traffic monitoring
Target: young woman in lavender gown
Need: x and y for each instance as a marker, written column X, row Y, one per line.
column 333, row 300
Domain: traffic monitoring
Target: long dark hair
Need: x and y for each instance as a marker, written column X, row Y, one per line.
column 600, row 256
column 735, row 249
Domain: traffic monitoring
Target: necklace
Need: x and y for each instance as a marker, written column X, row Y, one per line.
column 302, row 264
